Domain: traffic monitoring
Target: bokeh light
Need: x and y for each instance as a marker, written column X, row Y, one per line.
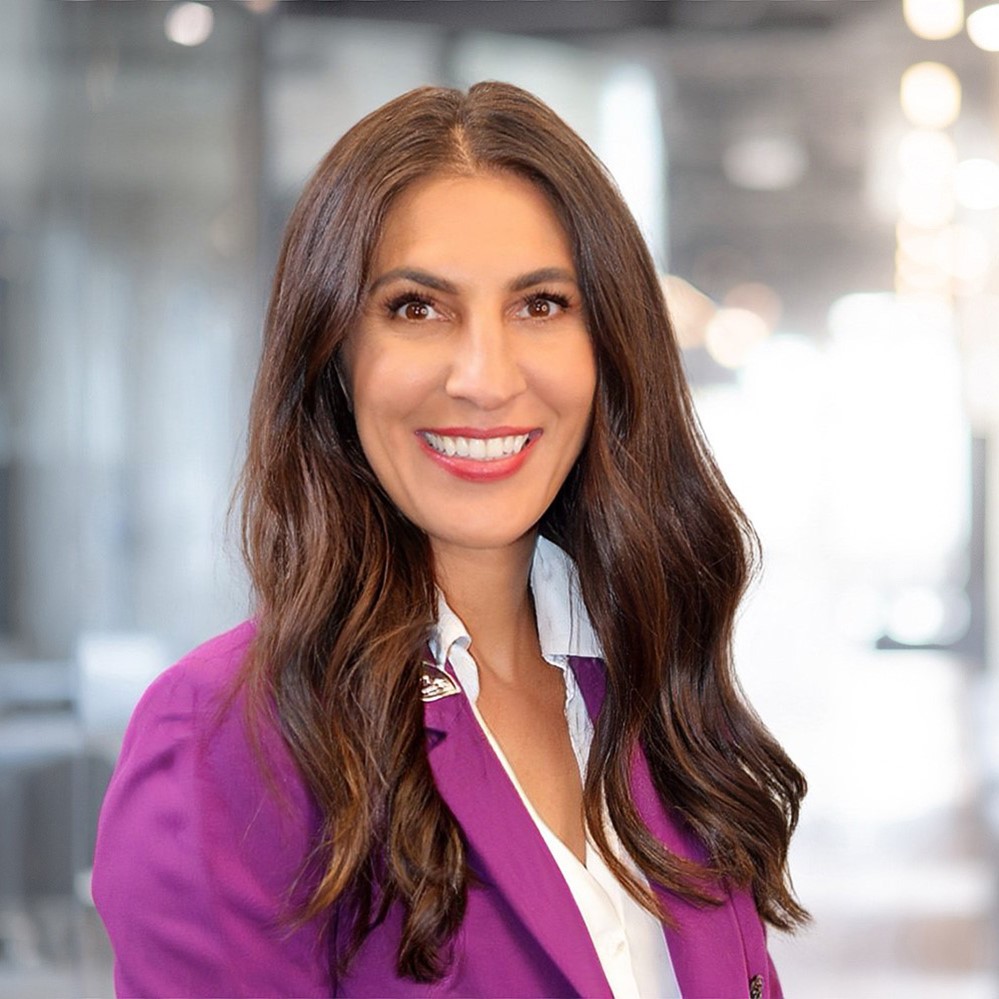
column 934, row 19
column 189, row 23
column 983, row 27
column 931, row 95
column 976, row 184
column 733, row 334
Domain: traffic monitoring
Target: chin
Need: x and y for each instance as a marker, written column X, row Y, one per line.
column 486, row 538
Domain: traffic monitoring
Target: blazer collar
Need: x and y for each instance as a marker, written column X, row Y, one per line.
column 505, row 848
column 706, row 947
column 507, row 852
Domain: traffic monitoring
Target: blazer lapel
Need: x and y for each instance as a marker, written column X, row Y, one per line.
column 706, row 947
column 506, row 849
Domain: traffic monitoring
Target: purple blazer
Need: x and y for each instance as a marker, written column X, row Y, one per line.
column 198, row 852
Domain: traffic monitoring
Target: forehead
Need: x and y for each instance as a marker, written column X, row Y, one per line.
column 471, row 219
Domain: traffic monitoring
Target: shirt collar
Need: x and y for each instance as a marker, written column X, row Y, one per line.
column 564, row 626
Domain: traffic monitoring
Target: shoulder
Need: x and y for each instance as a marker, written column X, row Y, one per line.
column 194, row 732
column 208, row 671
column 206, row 826
column 169, row 725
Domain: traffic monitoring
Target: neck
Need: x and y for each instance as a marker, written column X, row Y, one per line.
column 490, row 591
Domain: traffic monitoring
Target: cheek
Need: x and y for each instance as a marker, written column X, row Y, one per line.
column 383, row 385
column 391, row 388
column 578, row 384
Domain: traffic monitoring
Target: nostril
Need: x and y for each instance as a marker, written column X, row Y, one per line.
column 486, row 382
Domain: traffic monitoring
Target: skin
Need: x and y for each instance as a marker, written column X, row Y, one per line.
column 473, row 319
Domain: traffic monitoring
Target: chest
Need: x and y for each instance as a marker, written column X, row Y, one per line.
column 523, row 933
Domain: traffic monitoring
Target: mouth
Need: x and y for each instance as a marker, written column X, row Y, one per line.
column 492, row 448
column 476, row 455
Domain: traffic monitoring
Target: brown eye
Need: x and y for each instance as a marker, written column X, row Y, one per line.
column 416, row 310
column 412, row 308
column 543, row 306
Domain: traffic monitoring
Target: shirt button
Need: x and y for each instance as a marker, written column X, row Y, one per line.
column 756, row 987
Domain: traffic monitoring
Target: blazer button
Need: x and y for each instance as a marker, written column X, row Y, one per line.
column 756, row 987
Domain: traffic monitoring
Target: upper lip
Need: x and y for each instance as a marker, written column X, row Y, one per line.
column 483, row 433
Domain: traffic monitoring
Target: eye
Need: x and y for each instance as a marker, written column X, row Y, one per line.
column 412, row 307
column 543, row 305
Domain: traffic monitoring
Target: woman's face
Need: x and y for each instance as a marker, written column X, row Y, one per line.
column 471, row 371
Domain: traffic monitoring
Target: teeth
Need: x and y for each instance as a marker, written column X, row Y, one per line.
column 477, row 448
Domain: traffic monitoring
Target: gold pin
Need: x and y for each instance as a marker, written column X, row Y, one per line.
column 435, row 684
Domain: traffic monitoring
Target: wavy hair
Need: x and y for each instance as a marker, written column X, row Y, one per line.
column 344, row 582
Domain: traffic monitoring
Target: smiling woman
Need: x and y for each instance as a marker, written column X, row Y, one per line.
column 471, row 368
column 483, row 735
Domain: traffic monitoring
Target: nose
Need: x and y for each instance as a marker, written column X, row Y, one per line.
column 485, row 369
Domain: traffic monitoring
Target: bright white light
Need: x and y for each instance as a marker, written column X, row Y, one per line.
column 861, row 313
column 934, row 19
column 928, row 153
column 931, row 95
column 976, row 184
column 964, row 252
column 897, row 423
column 914, row 277
column 632, row 147
column 765, row 163
column 916, row 616
column 924, row 203
column 732, row 334
column 866, row 315
column 929, row 258
column 899, row 763
column 917, row 245
column 860, row 613
column 189, row 23
column 983, row 27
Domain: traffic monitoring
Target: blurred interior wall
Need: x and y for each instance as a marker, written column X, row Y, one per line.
column 131, row 303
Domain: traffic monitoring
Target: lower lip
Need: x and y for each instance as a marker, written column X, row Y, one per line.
column 473, row 470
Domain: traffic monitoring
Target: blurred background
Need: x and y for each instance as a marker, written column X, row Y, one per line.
column 819, row 182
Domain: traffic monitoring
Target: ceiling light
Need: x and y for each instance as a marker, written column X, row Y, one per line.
column 189, row 23
column 931, row 95
column 976, row 184
column 934, row 19
column 925, row 205
column 983, row 27
column 965, row 253
column 927, row 152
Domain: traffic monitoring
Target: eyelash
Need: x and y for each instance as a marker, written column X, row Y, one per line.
column 394, row 304
column 562, row 301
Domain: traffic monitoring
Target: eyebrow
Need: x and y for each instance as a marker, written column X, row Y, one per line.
column 541, row 276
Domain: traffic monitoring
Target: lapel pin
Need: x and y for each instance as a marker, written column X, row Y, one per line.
column 435, row 684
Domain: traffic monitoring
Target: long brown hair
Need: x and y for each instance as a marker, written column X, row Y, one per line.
column 345, row 587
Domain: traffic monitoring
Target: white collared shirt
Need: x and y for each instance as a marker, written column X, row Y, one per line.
column 628, row 940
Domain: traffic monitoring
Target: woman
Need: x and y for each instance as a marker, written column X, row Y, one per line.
column 482, row 736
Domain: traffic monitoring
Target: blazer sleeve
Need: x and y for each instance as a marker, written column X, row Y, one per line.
column 199, row 852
